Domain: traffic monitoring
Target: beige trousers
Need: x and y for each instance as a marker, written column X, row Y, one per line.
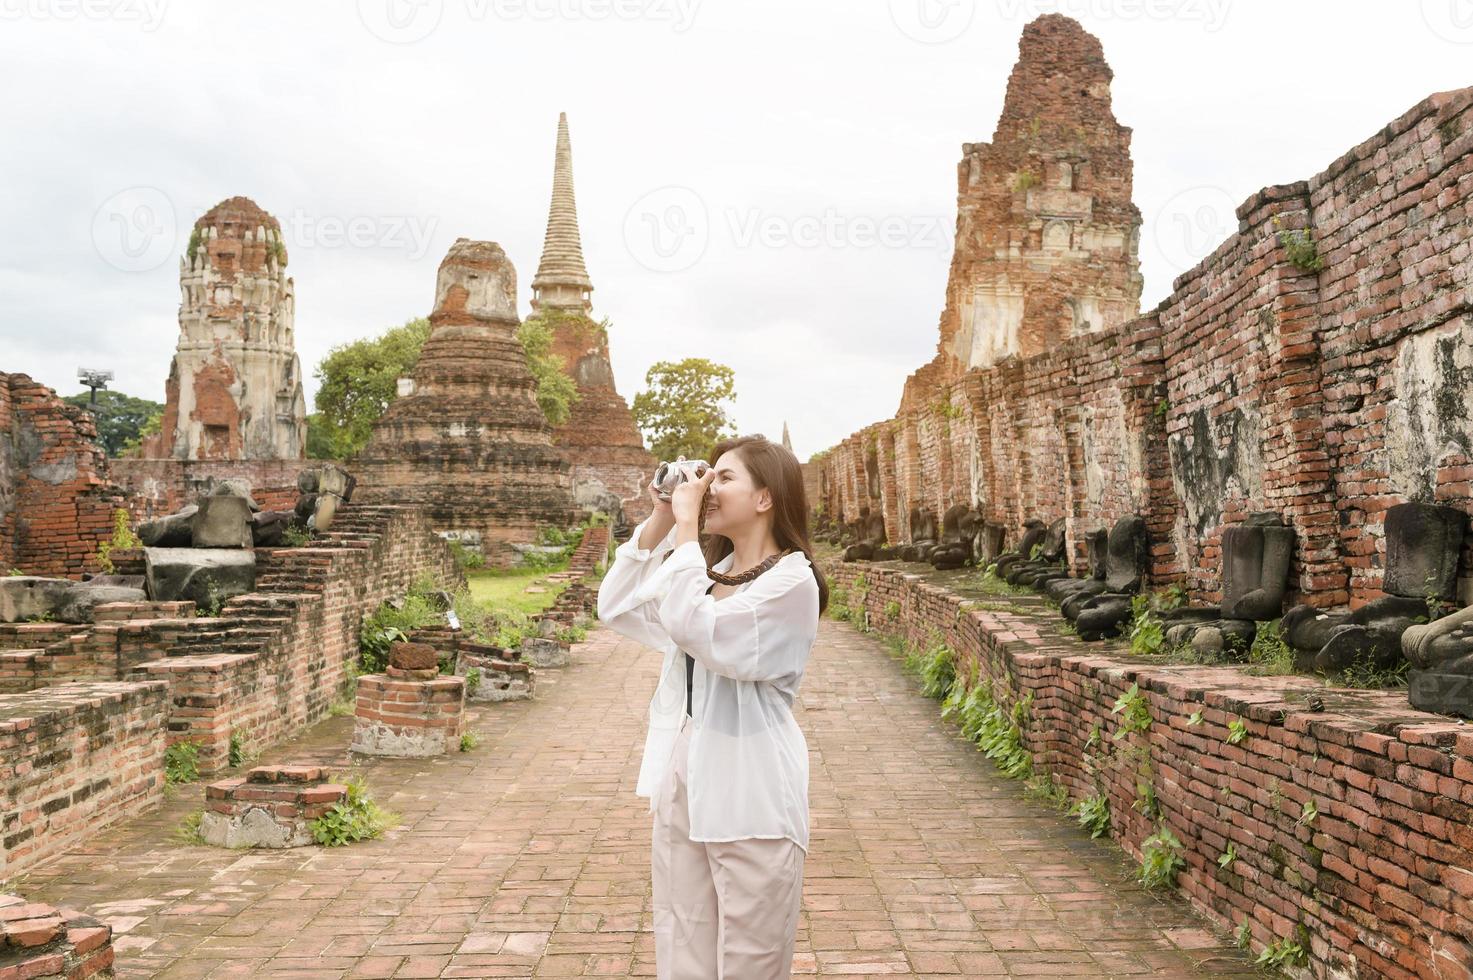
column 723, row 911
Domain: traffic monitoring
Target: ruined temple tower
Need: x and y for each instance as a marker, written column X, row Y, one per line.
column 235, row 385
column 610, row 465
column 1046, row 233
column 465, row 439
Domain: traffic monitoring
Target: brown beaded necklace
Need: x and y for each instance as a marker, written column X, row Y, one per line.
column 750, row 573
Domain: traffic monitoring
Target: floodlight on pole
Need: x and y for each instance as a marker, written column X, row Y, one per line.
column 94, row 378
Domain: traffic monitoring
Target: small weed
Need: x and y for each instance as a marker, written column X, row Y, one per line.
column 1226, row 859
column 238, row 754
column 1196, row 717
column 123, row 537
column 1300, row 249
column 468, row 741
column 187, row 830
column 1093, row 814
column 1285, row 951
column 355, row 818
column 1134, row 711
column 181, row 763
column 892, row 610
column 1237, row 731
column 296, row 536
column 938, row 672
column 472, row 681
column 1046, row 789
column 1163, row 407
column 1270, row 655
column 1244, row 934
column 1309, row 813
column 1161, row 858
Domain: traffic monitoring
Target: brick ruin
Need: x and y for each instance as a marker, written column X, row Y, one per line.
column 56, row 500
column 1350, row 817
column 109, row 696
column 1326, row 391
column 235, row 385
column 466, row 441
column 610, row 465
column 1046, row 233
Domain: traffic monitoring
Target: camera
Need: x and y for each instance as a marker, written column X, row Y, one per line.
column 671, row 475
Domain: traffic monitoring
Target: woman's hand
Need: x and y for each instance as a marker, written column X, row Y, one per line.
column 688, row 499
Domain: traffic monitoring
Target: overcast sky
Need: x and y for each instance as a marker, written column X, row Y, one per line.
column 767, row 183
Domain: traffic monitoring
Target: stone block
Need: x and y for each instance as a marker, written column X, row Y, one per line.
column 540, row 651
column 78, row 602
column 169, row 531
column 413, row 656
column 206, row 576
column 222, row 521
column 25, row 597
column 235, row 487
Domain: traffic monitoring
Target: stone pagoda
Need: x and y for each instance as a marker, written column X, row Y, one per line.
column 465, row 439
column 610, row 465
column 235, row 384
column 1046, row 233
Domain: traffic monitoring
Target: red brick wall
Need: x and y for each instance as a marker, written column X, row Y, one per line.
column 1382, row 878
column 1327, row 396
column 76, row 760
column 56, row 504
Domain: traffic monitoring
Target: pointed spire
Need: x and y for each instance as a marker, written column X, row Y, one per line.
column 562, row 278
column 787, row 443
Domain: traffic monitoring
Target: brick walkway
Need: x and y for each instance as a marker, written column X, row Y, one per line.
column 529, row 856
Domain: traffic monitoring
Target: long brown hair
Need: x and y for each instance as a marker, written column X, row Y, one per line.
column 774, row 467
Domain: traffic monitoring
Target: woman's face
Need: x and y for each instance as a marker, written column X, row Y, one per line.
column 732, row 502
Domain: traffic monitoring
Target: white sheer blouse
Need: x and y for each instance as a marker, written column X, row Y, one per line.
column 748, row 762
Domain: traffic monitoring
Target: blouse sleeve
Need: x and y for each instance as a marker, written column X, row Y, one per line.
column 621, row 604
column 762, row 633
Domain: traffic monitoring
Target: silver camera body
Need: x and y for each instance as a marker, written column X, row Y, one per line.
column 668, row 475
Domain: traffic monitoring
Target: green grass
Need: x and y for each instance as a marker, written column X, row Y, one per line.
column 506, row 589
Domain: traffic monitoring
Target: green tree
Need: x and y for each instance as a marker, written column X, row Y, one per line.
column 356, row 382
column 120, row 418
column 556, row 390
column 681, row 411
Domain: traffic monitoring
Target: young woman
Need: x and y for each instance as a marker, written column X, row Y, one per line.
column 725, row 765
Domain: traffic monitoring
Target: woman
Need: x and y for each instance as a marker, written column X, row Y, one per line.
column 725, row 765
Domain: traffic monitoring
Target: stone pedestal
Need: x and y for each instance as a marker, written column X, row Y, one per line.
column 271, row 806
column 410, row 710
column 500, row 680
column 544, row 651
column 39, row 942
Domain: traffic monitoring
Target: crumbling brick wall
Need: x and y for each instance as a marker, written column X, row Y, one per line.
column 1376, row 871
column 56, row 504
column 1326, row 383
